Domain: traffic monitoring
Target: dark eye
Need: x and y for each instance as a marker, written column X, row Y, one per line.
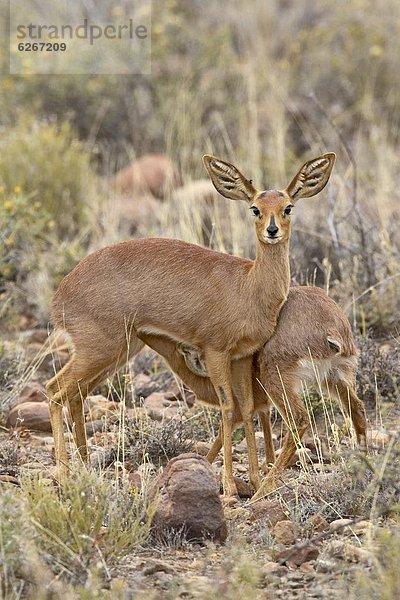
column 288, row 210
column 256, row 211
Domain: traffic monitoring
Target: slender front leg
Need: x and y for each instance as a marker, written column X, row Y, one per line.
column 219, row 369
column 242, row 373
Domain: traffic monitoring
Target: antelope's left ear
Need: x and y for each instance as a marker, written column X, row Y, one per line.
column 312, row 177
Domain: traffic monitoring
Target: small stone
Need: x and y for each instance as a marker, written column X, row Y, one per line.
column 349, row 552
column 31, row 392
column 143, row 385
column 100, row 407
column 201, row 448
column 173, row 394
column 273, row 568
column 284, row 532
column 339, row 524
column 269, row 511
column 229, row 500
column 158, row 408
column 244, row 489
column 307, row 567
column 135, row 481
column 318, row 523
column 298, row 554
column 93, row 427
column 34, row 416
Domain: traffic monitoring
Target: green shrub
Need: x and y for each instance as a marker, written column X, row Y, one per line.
column 46, row 163
column 89, row 523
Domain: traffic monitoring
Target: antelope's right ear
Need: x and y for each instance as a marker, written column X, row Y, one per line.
column 228, row 180
column 312, row 177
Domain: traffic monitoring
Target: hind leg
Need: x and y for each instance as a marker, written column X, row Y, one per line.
column 353, row 407
column 72, row 384
column 281, row 391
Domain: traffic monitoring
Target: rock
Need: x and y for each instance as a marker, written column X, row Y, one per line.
column 152, row 173
column 156, row 565
column 34, row 416
column 100, row 407
column 241, row 447
column 318, row 523
column 348, row 552
column 174, row 394
column 135, row 481
column 158, row 408
column 244, row 489
column 272, row 568
column 31, row 392
column 143, row 385
column 188, row 500
column 97, row 458
column 93, row 427
column 307, row 567
column 339, row 524
column 284, row 532
column 298, row 554
column 201, row 448
column 269, row 511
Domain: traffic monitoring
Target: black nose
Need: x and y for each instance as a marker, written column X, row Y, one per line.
column 272, row 230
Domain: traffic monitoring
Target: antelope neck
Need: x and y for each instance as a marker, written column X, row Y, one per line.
column 270, row 273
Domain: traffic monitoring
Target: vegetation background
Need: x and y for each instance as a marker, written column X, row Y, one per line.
column 266, row 85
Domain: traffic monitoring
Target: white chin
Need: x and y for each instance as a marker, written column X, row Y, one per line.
column 272, row 240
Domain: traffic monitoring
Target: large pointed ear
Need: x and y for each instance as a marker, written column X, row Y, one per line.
column 312, row 177
column 228, row 180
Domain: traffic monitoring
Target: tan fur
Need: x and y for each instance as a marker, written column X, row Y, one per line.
column 299, row 352
column 224, row 305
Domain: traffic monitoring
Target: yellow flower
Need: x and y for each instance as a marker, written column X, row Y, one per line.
column 8, row 205
column 51, row 225
column 376, row 51
column 17, row 189
column 1, row 189
column 37, row 205
column 7, row 271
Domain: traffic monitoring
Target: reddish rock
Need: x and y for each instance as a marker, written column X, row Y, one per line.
column 284, row 532
column 34, row 416
column 151, row 173
column 244, row 489
column 298, row 554
column 143, row 385
column 135, row 481
column 188, row 500
column 269, row 511
column 318, row 523
column 174, row 394
column 31, row 392
column 158, row 407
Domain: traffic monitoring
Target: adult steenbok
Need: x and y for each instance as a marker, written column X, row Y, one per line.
column 225, row 305
column 312, row 344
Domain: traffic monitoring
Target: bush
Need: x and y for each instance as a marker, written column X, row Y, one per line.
column 378, row 375
column 92, row 522
column 51, row 167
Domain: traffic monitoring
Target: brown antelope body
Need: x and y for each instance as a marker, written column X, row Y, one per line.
column 224, row 305
column 312, row 344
